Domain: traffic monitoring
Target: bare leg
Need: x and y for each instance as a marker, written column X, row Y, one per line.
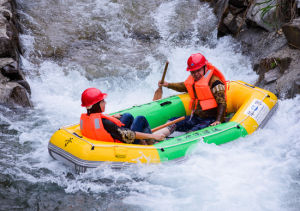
column 164, row 131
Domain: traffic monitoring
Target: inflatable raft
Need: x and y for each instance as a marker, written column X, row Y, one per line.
column 249, row 107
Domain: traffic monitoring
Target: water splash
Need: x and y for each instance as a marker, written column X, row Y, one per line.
column 120, row 47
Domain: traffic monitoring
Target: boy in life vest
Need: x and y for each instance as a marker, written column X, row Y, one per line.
column 206, row 87
column 118, row 128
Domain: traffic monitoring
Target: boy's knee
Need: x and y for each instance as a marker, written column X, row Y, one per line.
column 140, row 118
column 127, row 116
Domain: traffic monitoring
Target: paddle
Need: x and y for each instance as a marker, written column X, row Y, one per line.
column 158, row 92
column 167, row 124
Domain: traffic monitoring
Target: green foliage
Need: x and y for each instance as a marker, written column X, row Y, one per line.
column 273, row 65
column 266, row 9
column 270, row 4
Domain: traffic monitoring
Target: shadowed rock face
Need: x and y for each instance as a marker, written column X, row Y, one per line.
column 13, row 92
column 292, row 33
column 262, row 39
column 14, row 88
column 280, row 72
column 239, row 3
column 240, row 18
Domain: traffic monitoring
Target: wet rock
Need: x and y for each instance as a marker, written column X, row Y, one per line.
column 232, row 23
column 231, row 18
column 256, row 25
column 258, row 43
column 269, row 63
column 12, row 71
column 228, row 19
column 238, row 15
column 25, row 84
column 295, row 87
column 7, row 14
column 288, row 85
column 8, row 35
column 280, row 72
column 263, row 17
column 6, row 61
column 20, row 96
column 13, row 87
column 13, row 93
column 9, row 69
column 18, row 194
column 271, row 15
column 236, row 10
column 220, row 7
column 6, row 48
column 272, row 75
column 292, row 33
column 239, row 3
column 147, row 36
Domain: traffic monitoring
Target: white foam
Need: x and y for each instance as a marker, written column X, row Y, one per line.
column 258, row 172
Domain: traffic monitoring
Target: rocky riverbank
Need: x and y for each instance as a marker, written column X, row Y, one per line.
column 14, row 89
column 269, row 32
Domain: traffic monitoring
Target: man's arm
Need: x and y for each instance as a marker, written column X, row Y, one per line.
column 179, row 87
column 218, row 91
column 126, row 135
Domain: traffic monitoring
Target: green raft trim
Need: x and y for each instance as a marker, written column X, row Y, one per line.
column 158, row 112
column 181, row 145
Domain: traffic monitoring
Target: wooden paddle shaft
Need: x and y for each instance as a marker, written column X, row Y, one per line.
column 165, row 71
column 158, row 92
column 167, row 124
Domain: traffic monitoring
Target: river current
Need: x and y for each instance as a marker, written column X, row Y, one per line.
column 120, row 47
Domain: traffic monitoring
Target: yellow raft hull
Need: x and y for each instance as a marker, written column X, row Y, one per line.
column 252, row 107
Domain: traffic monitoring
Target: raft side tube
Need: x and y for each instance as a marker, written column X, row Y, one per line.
column 158, row 112
column 91, row 150
column 250, row 104
column 80, row 165
column 179, row 146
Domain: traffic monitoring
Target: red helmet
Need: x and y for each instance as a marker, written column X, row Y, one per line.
column 91, row 96
column 195, row 62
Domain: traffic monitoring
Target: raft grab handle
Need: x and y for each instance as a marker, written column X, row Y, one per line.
column 77, row 135
column 166, row 103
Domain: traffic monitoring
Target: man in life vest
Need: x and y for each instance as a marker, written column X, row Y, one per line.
column 206, row 87
column 117, row 128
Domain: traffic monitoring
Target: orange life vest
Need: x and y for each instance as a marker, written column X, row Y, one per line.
column 92, row 127
column 200, row 90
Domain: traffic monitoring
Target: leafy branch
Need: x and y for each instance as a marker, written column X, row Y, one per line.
column 266, row 9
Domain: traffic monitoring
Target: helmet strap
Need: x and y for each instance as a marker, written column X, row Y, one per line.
column 204, row 70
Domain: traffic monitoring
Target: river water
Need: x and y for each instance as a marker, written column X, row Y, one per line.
column 120, row 47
